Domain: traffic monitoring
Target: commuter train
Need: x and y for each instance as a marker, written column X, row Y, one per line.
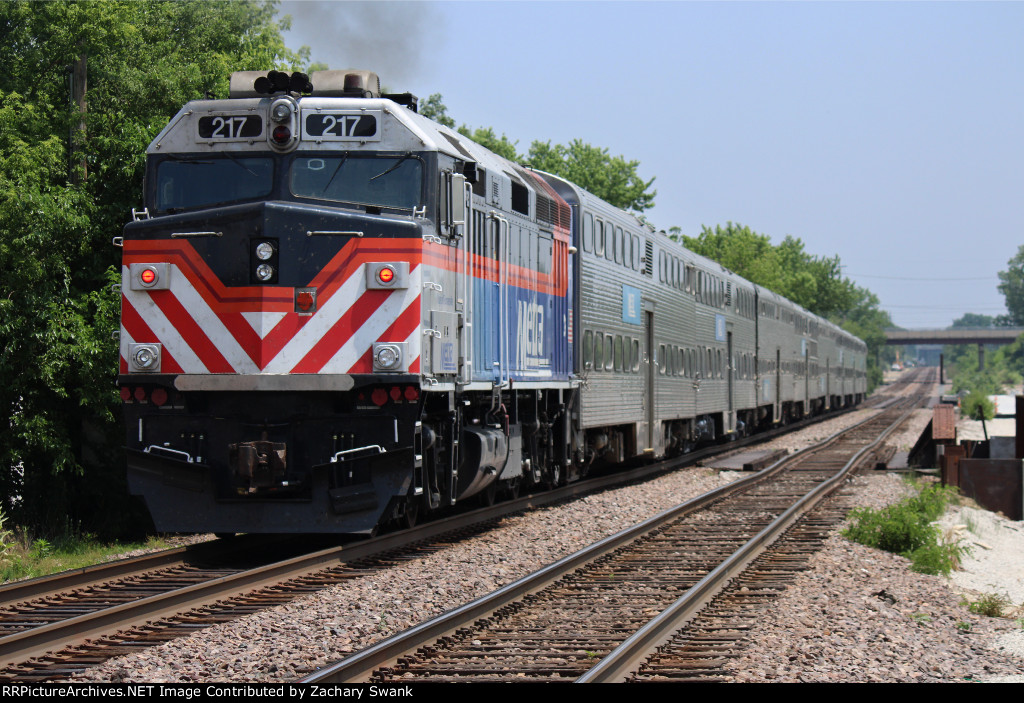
column 338, row 314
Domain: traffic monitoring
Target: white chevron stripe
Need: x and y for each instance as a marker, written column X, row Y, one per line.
column 208, row 321
column 126, row 340
column 263, row 322
column 313, row 331
column 165, row 332
column 365, row 336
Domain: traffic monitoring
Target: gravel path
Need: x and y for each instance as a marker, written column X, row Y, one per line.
column 827, row 627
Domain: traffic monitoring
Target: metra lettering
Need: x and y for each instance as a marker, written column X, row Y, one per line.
column 530, row 332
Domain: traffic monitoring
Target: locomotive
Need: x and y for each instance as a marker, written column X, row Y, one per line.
column 337, row 314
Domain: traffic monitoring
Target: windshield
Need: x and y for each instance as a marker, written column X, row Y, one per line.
column 184, row 183
column 392, row 182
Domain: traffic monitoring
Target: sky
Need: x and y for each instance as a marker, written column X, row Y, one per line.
column 890, row 134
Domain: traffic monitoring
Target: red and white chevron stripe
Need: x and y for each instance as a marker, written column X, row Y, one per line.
column 206, row 327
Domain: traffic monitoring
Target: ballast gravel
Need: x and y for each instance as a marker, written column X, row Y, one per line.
column 857, row 615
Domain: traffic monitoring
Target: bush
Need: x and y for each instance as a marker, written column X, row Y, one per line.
column 905, row 528
column 992, row 605
column 938, row 559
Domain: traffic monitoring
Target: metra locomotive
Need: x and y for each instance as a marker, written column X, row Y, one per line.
column 337, row 313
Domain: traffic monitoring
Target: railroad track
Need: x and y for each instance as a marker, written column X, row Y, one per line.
column 599, row 614
column 52, row 627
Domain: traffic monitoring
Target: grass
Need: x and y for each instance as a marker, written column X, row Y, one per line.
column 906, row 528
column 24, row 557
column 969, row 522
column 992, row 605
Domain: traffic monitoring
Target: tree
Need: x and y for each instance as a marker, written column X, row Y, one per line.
column 971, row 319
column 611, row 178
column 1011, row 285
column 485, row 137
column 60, row 462
column 434, row 108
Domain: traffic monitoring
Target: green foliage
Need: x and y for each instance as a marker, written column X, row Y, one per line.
column 434, row 108
column 59, row 208
column 41, row 548
column 6, row 540
column 611, row 178
column 70, row 550
column 1004, row 368
column 485, row 137
column 1011, row 285
column 896, row 528
column 977, row 406
column 936, row 558
column 906, row 528
column 932, row 500
column 991, row 605
column 963, row 626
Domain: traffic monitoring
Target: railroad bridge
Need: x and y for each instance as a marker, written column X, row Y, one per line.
column 962, row 335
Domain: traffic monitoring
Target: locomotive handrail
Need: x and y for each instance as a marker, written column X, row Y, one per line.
column 150, row 448
column 181, row 235
column 503, row 249
column 467, row 293
column 380, row 450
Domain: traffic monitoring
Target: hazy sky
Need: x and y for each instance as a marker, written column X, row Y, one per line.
column 891, row 134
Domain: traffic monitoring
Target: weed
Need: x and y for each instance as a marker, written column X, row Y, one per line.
column 905, row 528
column 969, row 522
column 940, row 557
column 921, row 618
column 963, row 626
column 989, row 604
column 42, row 548
column 6, row 540
column 591, row 655
column 25, row 557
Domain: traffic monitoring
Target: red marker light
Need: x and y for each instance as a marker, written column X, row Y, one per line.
column 148, row 277
column 140, row 393
column 281, row 134
column 411, row 393
column 304, row 300
column 159, row 397
column 386, row 274
column 379, row 396
column 396, row 393
column 126, row 393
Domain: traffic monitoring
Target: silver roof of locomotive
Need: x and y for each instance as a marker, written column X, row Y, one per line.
column 401, row 130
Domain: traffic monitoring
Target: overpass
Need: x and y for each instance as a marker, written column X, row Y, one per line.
column 961, row 335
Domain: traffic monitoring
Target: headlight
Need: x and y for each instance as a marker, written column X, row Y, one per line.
column 264, row 251
column 281, row 112
column 144, row 357
column 387, row 356
column 264, row 272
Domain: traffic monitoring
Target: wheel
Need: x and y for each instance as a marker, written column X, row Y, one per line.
column 555, row 476
column 411, row 514
column 513, row 486
column 489, row 494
